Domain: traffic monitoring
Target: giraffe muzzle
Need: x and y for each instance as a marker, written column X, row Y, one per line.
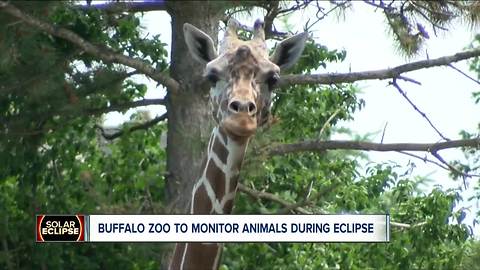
column 240, row 125
column 242, row 106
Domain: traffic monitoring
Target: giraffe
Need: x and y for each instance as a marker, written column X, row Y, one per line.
column 242, row 76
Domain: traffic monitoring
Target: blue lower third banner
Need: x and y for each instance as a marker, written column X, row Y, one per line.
column 237, row 228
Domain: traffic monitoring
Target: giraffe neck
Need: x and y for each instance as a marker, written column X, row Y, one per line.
column 213, row 193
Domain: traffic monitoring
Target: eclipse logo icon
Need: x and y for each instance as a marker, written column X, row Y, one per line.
column 60, row 228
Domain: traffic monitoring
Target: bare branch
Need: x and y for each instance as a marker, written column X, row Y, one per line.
column 297, row 206
column 105, row 54
column 383, row 132
column 464, row 74
column 318, row 145
column 424, row 159
column 133, row 104
column 272, row 197
column 272, row 33
column 272, row 12
column 308, row 201
column 319, row 17
column 407, row 79
column 380, row 5
column 381, row 74
column 406, row 226
column 127, row 6
column 452, row 168
column 424, row 115
column 142, row 126
column 327, row 123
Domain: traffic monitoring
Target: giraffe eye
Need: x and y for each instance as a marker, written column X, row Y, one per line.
column 273, row 79
column 213, row 76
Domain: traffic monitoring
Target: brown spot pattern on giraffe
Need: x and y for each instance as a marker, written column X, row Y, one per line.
column 201, row 256
column 201, row 201
column 229, row 204
column 177, row 256
column 216, row 178
column 220, row 150
column 222, row 133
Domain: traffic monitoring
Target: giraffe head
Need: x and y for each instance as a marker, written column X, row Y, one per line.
column 242, row 74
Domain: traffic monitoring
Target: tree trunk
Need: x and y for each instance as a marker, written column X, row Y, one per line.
column 189, row 117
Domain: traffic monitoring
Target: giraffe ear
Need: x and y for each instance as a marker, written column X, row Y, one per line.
column 199, row 44
column 288, row 51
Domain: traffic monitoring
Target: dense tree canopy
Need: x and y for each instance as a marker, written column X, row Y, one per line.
column 64, row 65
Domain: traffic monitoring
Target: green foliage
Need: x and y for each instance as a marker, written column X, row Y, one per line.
column 473, row 260
column 309, row 112
column 121, row 32
column 52, row 97
column 412, row 22
column 475, row 66
column 432, row 243
column 315, row 56
column 73, row 173
column 471, row 162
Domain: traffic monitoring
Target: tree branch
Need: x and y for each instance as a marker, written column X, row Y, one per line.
column 128, row 105
column 127, row 6
column 464, row 74
column 105, row 54
column 296, row 206
column 406, row 226
column 424, row 159
column 323, row 15
column 272, row 197
column 141, row 126
column 424, row 115
column 306, row 201
column 318, row 145
column 381, row 74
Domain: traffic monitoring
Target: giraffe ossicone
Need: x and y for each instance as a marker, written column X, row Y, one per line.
column 242, row 76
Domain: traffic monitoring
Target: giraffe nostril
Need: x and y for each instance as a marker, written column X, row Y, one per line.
column 252, row 109
column 237, row 106
column 234, row 106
